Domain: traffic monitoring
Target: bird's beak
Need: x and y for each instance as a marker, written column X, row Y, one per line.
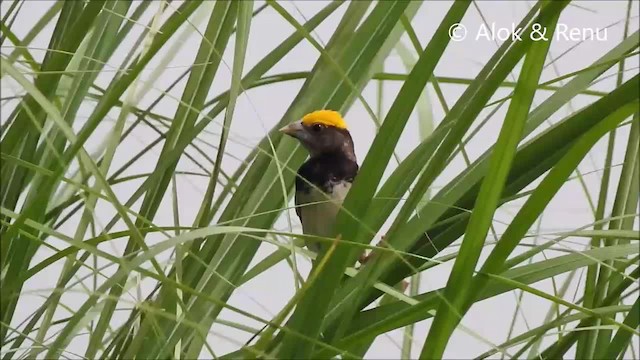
column 293, row 129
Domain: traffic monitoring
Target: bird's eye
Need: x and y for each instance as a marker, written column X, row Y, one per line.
column 317, row 127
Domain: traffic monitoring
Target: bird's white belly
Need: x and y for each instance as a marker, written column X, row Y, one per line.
column 318, row 211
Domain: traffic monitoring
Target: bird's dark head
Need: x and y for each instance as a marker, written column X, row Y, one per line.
column 322, row 132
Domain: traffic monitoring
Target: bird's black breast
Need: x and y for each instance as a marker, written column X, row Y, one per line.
column 325, row 170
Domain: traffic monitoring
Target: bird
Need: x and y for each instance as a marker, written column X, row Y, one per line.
column 324, row 179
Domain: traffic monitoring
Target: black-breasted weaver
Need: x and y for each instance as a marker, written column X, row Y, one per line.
column 325, row 178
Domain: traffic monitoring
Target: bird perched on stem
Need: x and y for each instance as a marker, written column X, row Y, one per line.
column 325, row 178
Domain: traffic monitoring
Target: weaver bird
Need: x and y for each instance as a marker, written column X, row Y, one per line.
column 325, row 178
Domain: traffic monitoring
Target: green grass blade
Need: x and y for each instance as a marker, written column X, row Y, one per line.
column 397, row 314
column 621, row 339
column 205, row 216
column 245, row 8
column 625, row 202
column 527, row 168
column 317, row 296
column 214, row 41
column 561, row 346
column 451, row 309
column 539, row 331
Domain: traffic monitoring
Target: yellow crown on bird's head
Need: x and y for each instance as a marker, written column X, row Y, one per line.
column 325, row 117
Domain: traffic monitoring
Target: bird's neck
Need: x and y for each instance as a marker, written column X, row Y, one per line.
column 346, row 153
